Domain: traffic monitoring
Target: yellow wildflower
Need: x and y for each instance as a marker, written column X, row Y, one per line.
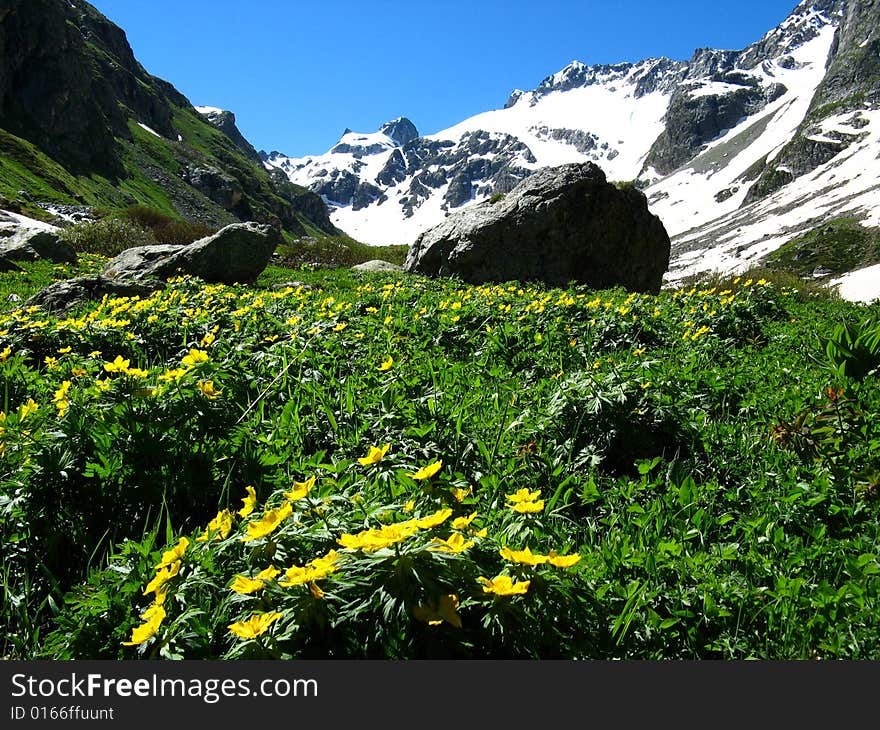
column 208, row 390
column 455, row 544
column 459, row 523
column 219, row 527
column 268, row 523
column 374, row 456
column 387, row 363
column 562, row 561
column 504, row 585
column 194, row 357
column 461, row 494
column 523, row 495
column 244, row 585
column 524, row 557
column 27, row 409
column 257, row 624
column 426, row 472
column 4, row 356
column 432, row 520
column 300, row 489
column 153, row 617
column 175, row 553
column 119, row 365
column 163, row 575
column 528, row 507
column 250, row 501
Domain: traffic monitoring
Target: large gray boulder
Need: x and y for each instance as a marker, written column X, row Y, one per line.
column 237, row 253
column 30, row 244
column 560, row 225
column 377, row 265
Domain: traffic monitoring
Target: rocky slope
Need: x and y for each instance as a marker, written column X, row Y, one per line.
column 737, row 151
column 82, row 122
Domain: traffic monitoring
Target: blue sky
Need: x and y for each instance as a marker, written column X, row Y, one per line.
column 298, row 72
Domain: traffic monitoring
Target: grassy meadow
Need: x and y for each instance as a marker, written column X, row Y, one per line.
column 340, row 465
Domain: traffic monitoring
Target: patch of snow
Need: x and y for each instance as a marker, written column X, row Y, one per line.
column 149, row 129
column 208, row 110
column 862, row 285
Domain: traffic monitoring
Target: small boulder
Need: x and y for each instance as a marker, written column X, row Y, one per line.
column 63, row 296
column 560, row 225
column 237, row 253
column 29, row 244
column 377, row 265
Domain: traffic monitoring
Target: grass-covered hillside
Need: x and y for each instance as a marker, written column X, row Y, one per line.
column 390, row 466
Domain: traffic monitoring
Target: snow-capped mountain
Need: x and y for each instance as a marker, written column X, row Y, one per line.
column 737, row 151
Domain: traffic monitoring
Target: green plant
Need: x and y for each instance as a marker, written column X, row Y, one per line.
column 107, row 236
column 853, row 350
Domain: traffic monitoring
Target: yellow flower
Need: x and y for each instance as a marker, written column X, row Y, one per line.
column 153, row 618
column 438, row 518
column 60, row 398
column 219, row 527
column 503, row 585
column 436, row 612
column 426, row 472
column 78, row 372
column 162, row 576
column 315, row 570
column 207, row 340
column 562, row 561
column 387, row 363
column 257, row 624
column 208, row 389
column 374, row 456
column 4, row 356
column 119, row 365
column 136, row 373
column 459, row 523
column 525, row 557
column 268, row 523
column 339, row 327
column 523, row 495
column 528, row 507
column 50, row 362
column 194, row 357
column 173, row 374
column 174, row 554
column 461, row 494
column 409, row 506
column 371, row 540
column 249, row 502
column 300, row 489
column 315, row 590
column 244, row 585
column 64, row 350
column 455, row 544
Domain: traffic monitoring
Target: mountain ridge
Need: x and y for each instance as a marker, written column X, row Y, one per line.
column 704, row 138
column 82, row 122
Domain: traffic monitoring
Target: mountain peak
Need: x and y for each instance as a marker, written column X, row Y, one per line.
column 401, row 130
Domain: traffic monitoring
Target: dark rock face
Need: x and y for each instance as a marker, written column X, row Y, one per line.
column 401, row 130
column 30, row 245
column 237, row 253
column 215, row 185
column 225, row 121
column 851, row 82
column 63, row 296
column 67, row 76
column 560, row 225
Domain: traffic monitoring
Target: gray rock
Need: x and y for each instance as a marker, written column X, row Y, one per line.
column 561, row 225
column 64, row 296
column 7, row 265
column 30, row 244
column 237, row 253
column 377, row 265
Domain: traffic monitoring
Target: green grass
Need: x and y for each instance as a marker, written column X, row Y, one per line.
column 839, row 245
column 38, row 275
column 337, row 252
column 704, row 458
